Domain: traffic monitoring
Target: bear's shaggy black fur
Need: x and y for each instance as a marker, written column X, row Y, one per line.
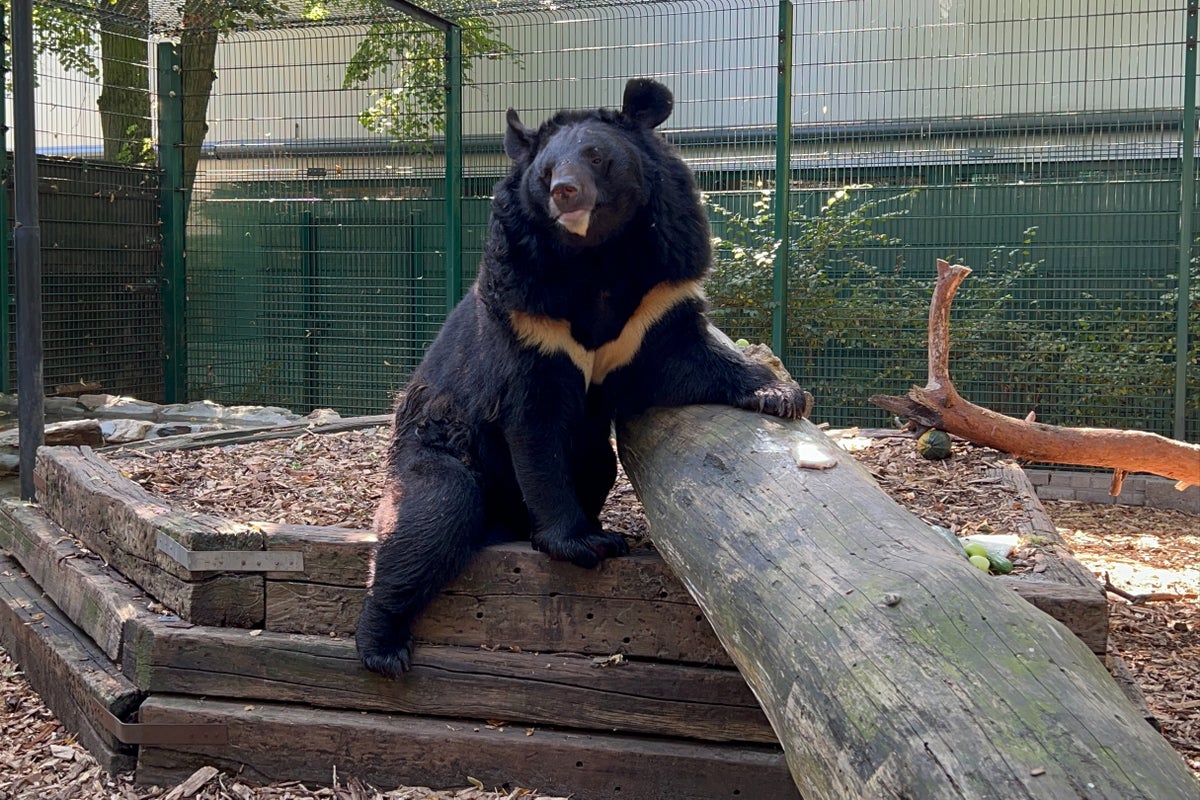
column 588, row 308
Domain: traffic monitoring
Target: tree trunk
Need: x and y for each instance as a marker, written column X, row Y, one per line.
column 124, row 101
column 198, row 52
column 888, row 666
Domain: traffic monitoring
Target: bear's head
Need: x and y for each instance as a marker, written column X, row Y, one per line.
column 584, row 172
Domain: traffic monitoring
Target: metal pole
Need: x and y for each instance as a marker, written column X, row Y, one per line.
column 5, row 231
column 308, row 245
column 173, row 214
column 421, row 14
column 454, row 167
column 1187, row 201
column 783, row 180
column 27, row 245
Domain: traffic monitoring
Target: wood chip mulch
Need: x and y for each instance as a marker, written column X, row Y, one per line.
column 1148, row 553
column 959, row 493
column 336, row 479
column 314, row 479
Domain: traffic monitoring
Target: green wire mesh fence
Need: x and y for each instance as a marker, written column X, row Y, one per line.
column 316, row 269
column 1041, row 150
column 98, row 196
column 1041, row 146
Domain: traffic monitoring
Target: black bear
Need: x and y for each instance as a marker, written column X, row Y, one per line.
column 588, row 307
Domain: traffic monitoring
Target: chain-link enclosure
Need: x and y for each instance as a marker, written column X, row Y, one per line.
column 1043, row 146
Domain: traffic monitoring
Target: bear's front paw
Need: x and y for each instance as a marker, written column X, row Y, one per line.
column 780, row 399
column 582, row 549
column 391, row 662
column 385, row 644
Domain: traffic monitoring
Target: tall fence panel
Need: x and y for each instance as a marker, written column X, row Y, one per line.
column 316, row 269
column 316, row 274
column 97, row 194
column 101, row 303
column 1040, row 145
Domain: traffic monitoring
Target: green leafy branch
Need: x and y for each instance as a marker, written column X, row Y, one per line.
column 408, row 57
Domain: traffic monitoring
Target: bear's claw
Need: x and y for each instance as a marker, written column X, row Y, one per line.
column 785, row 400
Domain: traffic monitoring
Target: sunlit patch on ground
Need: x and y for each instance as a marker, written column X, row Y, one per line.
column 1142, row 550
column 1155, row 554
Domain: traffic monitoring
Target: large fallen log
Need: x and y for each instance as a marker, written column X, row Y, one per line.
column 888, row 666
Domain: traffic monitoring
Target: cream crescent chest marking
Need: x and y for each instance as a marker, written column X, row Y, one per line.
column 551, row 336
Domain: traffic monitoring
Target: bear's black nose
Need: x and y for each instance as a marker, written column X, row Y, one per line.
column 565, row 193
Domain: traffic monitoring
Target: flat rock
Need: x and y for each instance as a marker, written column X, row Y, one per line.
column 72, row 432
column 107, row 405
column 123, row 431
column 259, row 415
column 198, row 411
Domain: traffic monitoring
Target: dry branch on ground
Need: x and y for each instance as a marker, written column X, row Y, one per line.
column 938, row 405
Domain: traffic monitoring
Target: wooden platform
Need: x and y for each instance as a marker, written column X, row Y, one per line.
column 532, row 673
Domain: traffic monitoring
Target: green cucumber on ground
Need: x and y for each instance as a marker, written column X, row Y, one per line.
column 999, row 564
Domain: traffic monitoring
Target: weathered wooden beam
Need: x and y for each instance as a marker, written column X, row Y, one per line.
column 73, row 677
column 888, row 666
column 121, row 522
column 522, row 688
column 1061, row 586
column 271, row 742
column 509, row 595
column 228, row 436
column 94, row 597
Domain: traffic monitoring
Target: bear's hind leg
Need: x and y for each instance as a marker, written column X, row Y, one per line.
column 427, row 535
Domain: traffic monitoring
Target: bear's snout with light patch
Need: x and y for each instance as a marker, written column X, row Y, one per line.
column 572, row 197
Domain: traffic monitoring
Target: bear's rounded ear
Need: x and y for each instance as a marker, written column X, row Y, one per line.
column 647, row 102
column 518, row 140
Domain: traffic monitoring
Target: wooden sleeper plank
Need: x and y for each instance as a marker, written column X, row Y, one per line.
column 94, row 597
column 270, row 742
column 521, row 687
column 74, row 678
column 120, row 521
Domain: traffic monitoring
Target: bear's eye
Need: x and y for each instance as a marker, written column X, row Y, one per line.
column 597, row 161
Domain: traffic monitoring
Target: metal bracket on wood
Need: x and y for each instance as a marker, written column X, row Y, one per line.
column 161, row 733
column 230, row 560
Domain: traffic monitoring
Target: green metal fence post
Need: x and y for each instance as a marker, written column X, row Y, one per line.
column 454, row 166
column 173, row 212
column 1187, row 198
column 5, row 231
column 783, row 179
